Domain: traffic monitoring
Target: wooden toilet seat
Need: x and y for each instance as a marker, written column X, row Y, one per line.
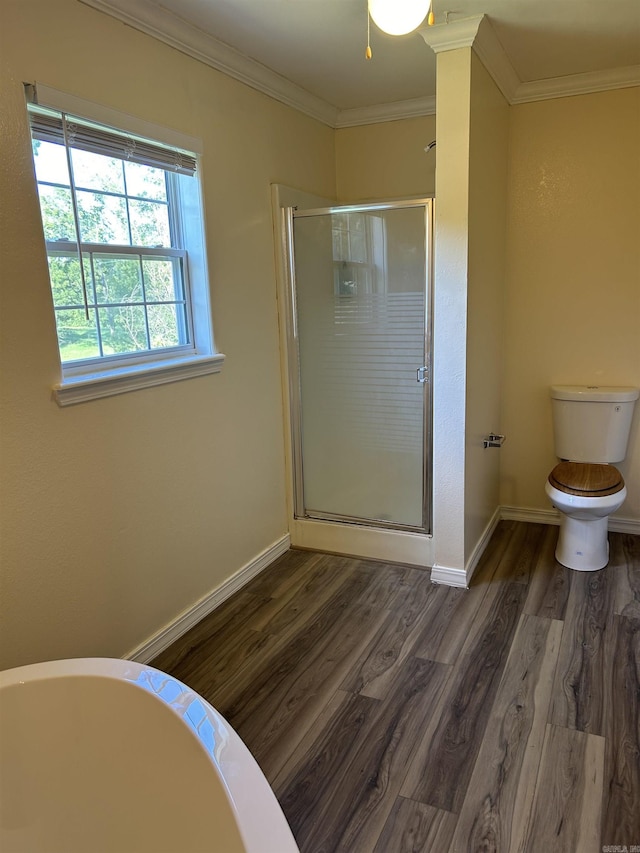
column 586, row 479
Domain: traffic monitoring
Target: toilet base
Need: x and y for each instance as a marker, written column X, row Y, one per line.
column 583, row 545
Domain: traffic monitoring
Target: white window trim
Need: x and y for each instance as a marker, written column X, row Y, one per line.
column 84, row 384
column 85, row 387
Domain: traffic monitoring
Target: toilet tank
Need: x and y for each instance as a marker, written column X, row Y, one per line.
column 592, row 423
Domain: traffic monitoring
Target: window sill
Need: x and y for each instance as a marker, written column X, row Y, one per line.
column 93, row 386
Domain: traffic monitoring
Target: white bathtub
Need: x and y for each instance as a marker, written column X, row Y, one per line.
column 109, row 755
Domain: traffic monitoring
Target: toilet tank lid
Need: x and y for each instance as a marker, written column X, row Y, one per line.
column 596, row 393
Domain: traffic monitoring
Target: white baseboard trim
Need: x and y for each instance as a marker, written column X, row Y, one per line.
column 624, row 525
column 448, row 576
column 552, row 516
column 445, row 575
column 190, row 617
column 535, row 516
column 478, row 551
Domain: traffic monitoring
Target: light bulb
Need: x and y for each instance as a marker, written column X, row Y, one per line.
column 398, row 17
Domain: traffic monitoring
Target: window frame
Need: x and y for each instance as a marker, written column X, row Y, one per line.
column 105, row 375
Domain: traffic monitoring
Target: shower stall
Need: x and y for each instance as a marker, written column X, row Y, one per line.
column 358, row 306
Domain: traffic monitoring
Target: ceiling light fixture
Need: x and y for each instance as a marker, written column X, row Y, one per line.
column 399, row 17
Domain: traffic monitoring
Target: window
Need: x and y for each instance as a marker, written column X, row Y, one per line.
column 122, row 222
column 359, row 266
column 358, row 253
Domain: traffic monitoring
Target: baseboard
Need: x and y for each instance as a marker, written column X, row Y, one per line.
column 448, row 576
column 535, row 516
column 624, row 525
column 439, row 574
column 462, row 577
column 552, row 516
column 190, row 617
column 478, row 551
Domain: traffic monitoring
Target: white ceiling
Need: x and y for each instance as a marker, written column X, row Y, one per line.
column 318, row 45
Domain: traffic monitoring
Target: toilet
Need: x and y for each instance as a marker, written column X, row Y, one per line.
column 591, row 427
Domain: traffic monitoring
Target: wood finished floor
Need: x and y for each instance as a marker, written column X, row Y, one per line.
column 393, row 715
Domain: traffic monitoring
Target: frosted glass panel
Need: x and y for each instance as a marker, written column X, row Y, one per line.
column 360, row 293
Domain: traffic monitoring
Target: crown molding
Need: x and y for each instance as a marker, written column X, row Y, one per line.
column 495, row 59
column 577, row 84
column 451, row 36
column 475, row 32
column 395, row 111
column 163, row 25
column 478, row 33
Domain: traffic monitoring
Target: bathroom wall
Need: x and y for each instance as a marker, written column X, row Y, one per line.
column 573, row 275
column 488, row 150
column 119, row 513
column 386, row 160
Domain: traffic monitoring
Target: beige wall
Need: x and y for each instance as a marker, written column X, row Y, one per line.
column 573, row 275
column 488, row 149
column 386, row 160
column 119, row 513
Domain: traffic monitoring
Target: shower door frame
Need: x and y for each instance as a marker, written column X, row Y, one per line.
column 300, row 513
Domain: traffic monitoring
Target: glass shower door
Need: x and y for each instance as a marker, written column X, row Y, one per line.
column 360, row 302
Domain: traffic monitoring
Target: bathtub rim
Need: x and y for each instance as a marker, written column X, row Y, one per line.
column 258, row 815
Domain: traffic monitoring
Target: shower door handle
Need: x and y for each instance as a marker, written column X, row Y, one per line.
column 422, row 374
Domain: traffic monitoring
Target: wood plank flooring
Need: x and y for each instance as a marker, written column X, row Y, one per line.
column 392, row 715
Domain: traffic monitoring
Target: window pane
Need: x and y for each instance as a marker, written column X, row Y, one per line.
column 51, row 162
column 77, row 336
column 66, row 284
column 355, row 221
column 162, row 279
column 117, row 278
column 166, row 325
column 149, row 223
column 145, row 181
column 57, row 213
column 97, row 172
column 357, row 247
column 340, row 246
column 103, row 219
column 123, row 329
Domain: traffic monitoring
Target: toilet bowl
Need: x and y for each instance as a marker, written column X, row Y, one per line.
column 585, row 494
